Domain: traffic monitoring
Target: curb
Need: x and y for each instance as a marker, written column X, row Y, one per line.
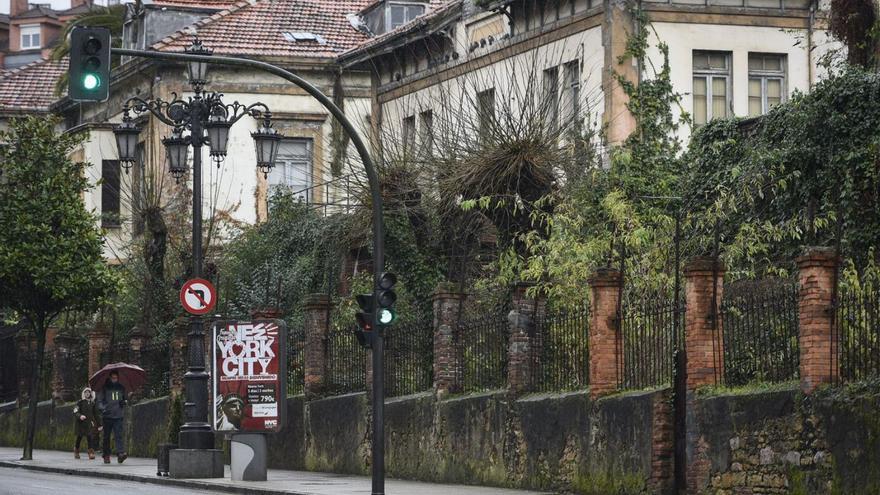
column 156, row 480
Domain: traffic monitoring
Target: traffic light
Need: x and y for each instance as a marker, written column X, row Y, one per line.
column 386, row 297
column 364, row 318
column 89, row 70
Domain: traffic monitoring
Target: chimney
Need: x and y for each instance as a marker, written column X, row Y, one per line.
column 18, row 7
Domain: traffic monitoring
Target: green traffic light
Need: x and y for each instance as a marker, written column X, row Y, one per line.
column 91, row 81
column 386, row 316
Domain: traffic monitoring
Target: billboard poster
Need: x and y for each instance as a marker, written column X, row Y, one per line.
column 249, row 375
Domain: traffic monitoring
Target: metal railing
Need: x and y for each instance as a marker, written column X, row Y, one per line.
column 760, row 326
column 296, row 376
column 649, row 341
column 409, row 358
column 481, row 344
column 857, row 327
column 564, row 360
column 347, row 363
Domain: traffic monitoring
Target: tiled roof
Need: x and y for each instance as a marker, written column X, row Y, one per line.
column 257, row 29
column 38, row 11
column 195, row 4
column 443, row 7
column 31, row 87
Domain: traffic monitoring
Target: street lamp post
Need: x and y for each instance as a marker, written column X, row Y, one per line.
column 208, row 120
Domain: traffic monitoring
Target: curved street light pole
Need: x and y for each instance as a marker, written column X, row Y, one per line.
column 378, row 447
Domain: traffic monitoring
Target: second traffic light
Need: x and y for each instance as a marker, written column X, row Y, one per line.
column 386, row 297
column 89, row 71
column 364, row 319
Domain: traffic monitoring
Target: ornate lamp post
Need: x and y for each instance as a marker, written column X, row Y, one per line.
column 207, row 120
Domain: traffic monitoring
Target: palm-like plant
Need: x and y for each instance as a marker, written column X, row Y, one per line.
column 112, row 18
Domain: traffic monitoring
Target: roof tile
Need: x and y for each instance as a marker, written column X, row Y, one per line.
column 31, row 87
column 257, row 29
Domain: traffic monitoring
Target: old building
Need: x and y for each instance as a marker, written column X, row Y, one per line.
column 730, row 57
column 305, row 36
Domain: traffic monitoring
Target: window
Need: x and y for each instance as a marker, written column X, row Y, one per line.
column 551, row 98
column 766, row 82
column 293, row 168
column 572, row 90
column 409, row 134
column 427, row 136
column 711, row 86
column 110, row 194
column 485, row 111
column 400, row 14
column 30, row 36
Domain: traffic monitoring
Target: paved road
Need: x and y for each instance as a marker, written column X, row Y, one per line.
column 14, row 481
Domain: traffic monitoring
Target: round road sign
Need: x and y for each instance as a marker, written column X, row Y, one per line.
column 198, row 296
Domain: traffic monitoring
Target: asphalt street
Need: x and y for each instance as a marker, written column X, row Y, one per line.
column 23, row 482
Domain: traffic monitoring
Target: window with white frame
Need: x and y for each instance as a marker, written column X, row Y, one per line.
column 766, row 82
column 293, row 168
column 711, row 91
column 572, row 90
column 551, row 98
column 400, row 14
column 30, row 36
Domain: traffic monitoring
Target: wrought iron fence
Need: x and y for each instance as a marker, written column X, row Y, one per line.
column 347, row 360
column 481, row 344
column 760, row 326
column 857, row 327
column 409, row 358
column 652, row 330
column 155, row 359
column 564, row 360
column 296, row 375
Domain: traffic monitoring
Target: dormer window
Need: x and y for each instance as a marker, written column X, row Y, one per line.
column 390, row 15
column 30, row 36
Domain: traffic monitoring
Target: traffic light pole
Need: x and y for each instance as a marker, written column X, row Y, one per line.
column 378, row 461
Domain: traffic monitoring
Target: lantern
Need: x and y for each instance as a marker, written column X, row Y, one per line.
column 126, row 141
column 176, row 147
column 266, row 141
column 198, row 71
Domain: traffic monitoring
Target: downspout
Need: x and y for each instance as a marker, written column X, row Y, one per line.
column 812, row 19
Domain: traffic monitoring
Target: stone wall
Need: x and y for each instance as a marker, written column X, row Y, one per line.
column 784, row 442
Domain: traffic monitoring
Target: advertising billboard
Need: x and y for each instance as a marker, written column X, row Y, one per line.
column 249, row 375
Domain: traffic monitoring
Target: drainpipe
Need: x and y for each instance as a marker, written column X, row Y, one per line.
column 810, row 74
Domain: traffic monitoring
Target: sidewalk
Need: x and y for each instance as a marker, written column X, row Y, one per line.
column 280, row 482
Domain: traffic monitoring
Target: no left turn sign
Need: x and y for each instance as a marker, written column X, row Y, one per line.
column 198, row 296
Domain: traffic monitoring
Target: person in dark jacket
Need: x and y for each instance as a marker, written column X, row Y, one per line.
column 88, row 422
column 112, row 405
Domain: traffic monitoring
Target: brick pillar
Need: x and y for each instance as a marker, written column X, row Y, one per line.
column 27, row 350
column 99, row 345
column 447, row 355
column 63, row 388
column 178, row 354
column 703, row 343
column 525, row 344
column 317, row 328
column 606, row 356
column 704, row 351
column 818, row 345
column 136, row 344
column 662, row 476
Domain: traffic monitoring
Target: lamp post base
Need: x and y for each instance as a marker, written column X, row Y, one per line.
column 195, row 464
column 196, row 439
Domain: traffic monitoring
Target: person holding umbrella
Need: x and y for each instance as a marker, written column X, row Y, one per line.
column 112, row 382
column 112, row 405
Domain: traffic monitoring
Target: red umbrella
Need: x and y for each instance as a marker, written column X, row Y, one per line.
column 130, row 376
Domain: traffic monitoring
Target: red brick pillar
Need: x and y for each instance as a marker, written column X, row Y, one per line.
column 99, row 347
column 63, row 388
column 317, row 328
column 703, row 344
column 178, row 354
column 525, row 344
column 816, row 313
column 136, row 344
column 606, row 356
column 447, row 355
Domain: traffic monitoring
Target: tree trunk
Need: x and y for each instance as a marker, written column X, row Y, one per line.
column 155, row 247
column 36, row 369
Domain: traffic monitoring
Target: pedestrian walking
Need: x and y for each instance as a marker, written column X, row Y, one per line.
column 112, row 405
column 88, row 423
